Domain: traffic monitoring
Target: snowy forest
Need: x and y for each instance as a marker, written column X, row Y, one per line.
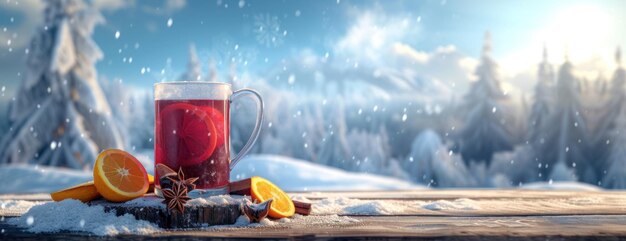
column 365, row 116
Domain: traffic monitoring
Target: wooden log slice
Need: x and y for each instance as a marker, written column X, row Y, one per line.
column 194, row 216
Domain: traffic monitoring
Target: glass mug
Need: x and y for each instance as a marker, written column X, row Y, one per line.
column 192, row 126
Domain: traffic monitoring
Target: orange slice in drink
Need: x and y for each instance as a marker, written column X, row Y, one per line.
column 219, row 121
column 119, row 176
column 262, row 190
column 84, row 192
column 188, row 135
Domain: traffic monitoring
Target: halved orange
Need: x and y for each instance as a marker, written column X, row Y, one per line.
column 84, row 192
column 119, row 176
column 262, row 190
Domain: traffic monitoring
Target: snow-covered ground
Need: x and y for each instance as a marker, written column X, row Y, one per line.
column 288, row 173
column 38, row 179
column 297, row 175
column 570, row 186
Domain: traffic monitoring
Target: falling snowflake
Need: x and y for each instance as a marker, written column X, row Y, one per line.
column 291, row 80
column 267, row 30
column 170, row 22
column 117, row 34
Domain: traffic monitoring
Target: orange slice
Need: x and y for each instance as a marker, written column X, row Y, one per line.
column 84, row 192
column 187, row 133
column 218, row 120
column 262, row 190
column 119, row 176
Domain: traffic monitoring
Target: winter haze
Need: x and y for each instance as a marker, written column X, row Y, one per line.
column 408, row 93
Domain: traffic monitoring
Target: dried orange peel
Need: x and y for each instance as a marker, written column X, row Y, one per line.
column 262, row 190
column 119, row 176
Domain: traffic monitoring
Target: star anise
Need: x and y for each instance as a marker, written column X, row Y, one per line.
column 176, row 197
column 189, row 183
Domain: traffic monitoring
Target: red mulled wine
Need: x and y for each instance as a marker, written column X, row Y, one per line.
column 194, row 135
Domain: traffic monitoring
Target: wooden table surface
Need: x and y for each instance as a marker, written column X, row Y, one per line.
column 500, row 215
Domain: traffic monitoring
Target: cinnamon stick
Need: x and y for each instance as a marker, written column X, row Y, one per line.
column 242, row 187
column 302, row 208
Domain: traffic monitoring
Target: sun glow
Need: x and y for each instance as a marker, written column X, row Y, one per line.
column 582, row 30
column 585, row 34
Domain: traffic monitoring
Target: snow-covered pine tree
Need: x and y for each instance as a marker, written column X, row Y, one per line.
column 310, row 126
column 60, row 116
column 601, row 84
column 430, row 163
column 118, row 98
column 334, row 149
column 542, row 106
column 609, row 113
column 194, row 71
column 484, row 132
column 566, row 137
column 614, row 170
column 614, row 176
column 368, row 151
column 544, row 92
column 141, row 122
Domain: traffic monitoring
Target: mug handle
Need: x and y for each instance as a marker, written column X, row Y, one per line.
column 257, row 126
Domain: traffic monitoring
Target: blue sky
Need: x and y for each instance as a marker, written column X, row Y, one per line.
column 229, row 30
